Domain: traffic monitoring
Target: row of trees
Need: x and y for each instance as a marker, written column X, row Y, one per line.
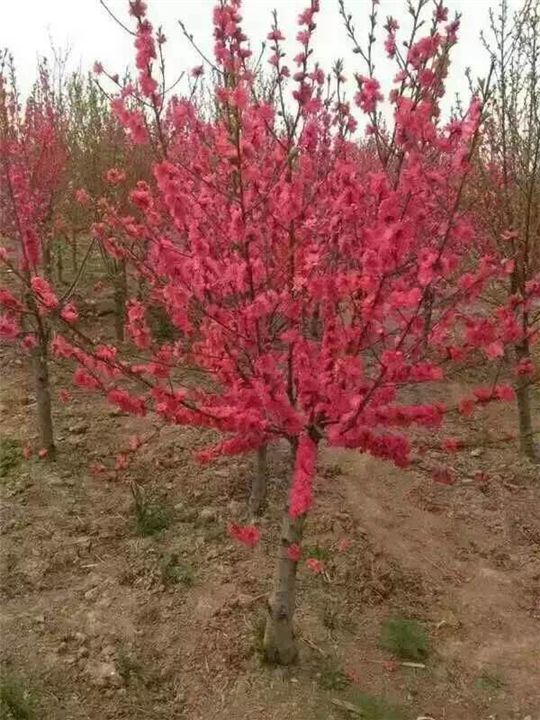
column 319, row 279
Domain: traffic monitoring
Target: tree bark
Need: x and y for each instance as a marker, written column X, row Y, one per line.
column 120, row 298
column 43, row 399
column 428, row 317
column 60, row 263
column 523, row 395
column 257, row 498
column 279, row 640
column 74, row 258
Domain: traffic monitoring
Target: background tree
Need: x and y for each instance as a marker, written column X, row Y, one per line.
column 33, row 159
column 508, row 190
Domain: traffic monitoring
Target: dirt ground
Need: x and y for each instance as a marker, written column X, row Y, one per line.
column 100, row 622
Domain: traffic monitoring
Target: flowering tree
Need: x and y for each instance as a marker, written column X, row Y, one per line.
column 508, row 192
column 33, row 157
column 297, row 280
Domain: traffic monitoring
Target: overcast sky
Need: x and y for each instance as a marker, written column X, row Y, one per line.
column 28, row 26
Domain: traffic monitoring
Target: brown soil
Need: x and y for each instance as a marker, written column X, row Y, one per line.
column 95, row 626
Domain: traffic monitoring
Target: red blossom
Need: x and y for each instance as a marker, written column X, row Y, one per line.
column 249, row 535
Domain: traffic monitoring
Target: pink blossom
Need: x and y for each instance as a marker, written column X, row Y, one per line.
column 115, row 176
column 315, row 565
column 69, row 313
column 294, row 553
column 82, row 197
column 44, row 293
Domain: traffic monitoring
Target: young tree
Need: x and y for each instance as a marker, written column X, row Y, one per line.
column 296, row 279
column 33, row 158
column 508, row 190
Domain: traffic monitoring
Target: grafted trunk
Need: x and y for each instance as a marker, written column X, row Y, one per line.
column 120, row 298
column 257, row 498
column 523, row 395
column 43, row 399
column 280, row 645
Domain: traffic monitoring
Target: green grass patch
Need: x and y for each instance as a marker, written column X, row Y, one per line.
column 173, row 572
column 369, row 707
column 16, row 701
column 10, row 455
column 404, row 638
column 331, row 676
column 150, row 518
column 317, row 552
column 490, row 680
column 127, row 666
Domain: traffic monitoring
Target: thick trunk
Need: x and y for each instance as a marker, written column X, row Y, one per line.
column 120, row 297
column 523, row 394
column 279, row 640
column 257, row 498
column 43, row 400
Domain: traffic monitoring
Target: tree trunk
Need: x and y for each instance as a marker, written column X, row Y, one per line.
column 43, row 399
column 523, row 394
column 279, row 641
column 47, row 259
column 257, row 499
column 60, row 263
column 74, row 259
column 120, row 298
column 428, row 318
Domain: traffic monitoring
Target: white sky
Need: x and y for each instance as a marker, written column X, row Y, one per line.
column 29, row 25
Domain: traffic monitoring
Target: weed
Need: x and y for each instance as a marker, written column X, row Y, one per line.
column 16, row 702
column 334, row 620
column 127, row 666
column 330, row 616
column 317, row 552
column 10, row 455
column 258, row 627
column 174, row 572
column 489, row 680
column 331, row 676
column 370, row 707
column 404, row 638
column 149, row 519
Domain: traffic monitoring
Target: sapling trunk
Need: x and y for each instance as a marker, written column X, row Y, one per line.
column 523, row 396
column 60, row 263
column 47, row 259
column 428, row 317
column 74, row 258
column 43, row 397
column 280, row 645
column 257, row 498
column 120, row 298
